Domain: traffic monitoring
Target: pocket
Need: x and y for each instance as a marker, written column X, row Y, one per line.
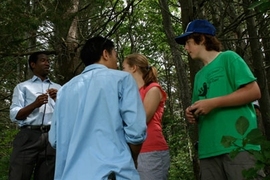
column 20, row 139
column 26, row 137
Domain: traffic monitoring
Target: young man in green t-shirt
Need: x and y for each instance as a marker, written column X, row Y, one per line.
column 223, row 91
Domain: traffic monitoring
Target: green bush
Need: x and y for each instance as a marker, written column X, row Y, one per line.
column 254, row 137
column 181, row 166
column 7, row 136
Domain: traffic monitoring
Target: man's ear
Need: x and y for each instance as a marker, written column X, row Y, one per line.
column 32, row 65
column 203, row 40
column 105, row 55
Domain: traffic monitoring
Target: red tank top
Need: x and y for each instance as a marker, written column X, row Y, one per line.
column 155, row 140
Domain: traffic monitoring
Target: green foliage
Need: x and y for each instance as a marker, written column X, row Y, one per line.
column 181, row 167
column 180, row 147
column 4, row 161
column 242, row 125
column 261, row 5
column 7, row 136
column 228, row 141
column 254, row 137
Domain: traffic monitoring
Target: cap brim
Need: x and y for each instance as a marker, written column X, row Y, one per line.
column 182, row 39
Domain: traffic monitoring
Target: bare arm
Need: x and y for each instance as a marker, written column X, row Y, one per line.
column 243, row 95
column 135, row 150
column 151, row 102
column 24, row 112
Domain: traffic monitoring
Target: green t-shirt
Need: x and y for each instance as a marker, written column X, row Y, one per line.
column 224, row 75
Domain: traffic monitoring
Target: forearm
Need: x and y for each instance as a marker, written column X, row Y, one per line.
column 243, row 95
column 135, row 150
column 24, row 112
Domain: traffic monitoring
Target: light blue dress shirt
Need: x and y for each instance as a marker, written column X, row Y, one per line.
column 26, row 93
column 96, row 114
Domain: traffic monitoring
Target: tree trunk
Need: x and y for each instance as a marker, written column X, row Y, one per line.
column 67, row 47
column 182, row 71
column 264, row 32
column 259, row 70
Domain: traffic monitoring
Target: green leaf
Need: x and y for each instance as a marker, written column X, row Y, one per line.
column 227, row 141
column 242, row 125
column 250, row 173
column 265, row 7
column 255, row 4
column 258, row 155
column 234, row 152
column 254, row 137
column 266, row 154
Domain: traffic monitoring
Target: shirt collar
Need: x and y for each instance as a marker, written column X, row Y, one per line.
column 93, row 66
column 35, row 78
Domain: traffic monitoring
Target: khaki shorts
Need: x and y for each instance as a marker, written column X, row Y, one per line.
column 222, row 167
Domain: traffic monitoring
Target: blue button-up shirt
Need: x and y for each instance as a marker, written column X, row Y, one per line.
column 96, row 114
column 26, row 93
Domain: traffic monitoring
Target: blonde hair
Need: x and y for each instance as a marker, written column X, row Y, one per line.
column 149, row 72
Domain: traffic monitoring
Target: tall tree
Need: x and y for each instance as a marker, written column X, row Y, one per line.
column 147, row 27
column 258, row 64
column 181, row 70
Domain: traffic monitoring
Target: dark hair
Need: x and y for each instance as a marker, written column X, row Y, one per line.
column 34, row 57
column 210, row 42
column 149, row 72
column 93, row 49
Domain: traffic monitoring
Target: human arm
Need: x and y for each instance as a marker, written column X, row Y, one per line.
column 133, row 115
column 151, row 102
column 135, row 151
column 245, row 94
column 24, row 112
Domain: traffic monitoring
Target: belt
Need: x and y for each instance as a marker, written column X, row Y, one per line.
column 43, row 128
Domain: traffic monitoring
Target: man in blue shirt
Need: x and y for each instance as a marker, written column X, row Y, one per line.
column 99, row 122
column 32, row 109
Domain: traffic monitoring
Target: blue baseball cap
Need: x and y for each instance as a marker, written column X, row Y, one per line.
column 197, row 26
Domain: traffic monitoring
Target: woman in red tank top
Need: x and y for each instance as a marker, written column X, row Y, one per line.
column 154, row 157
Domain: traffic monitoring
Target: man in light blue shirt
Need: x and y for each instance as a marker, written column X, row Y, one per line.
column 99, row 122
column 32, row 108
column 34, row 89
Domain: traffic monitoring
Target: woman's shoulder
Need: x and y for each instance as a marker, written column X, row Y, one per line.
column 154, row 86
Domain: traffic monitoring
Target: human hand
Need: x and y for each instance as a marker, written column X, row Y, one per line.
column 52, row 93
column 41, row 99
column 202, row 107
column 191, row 117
